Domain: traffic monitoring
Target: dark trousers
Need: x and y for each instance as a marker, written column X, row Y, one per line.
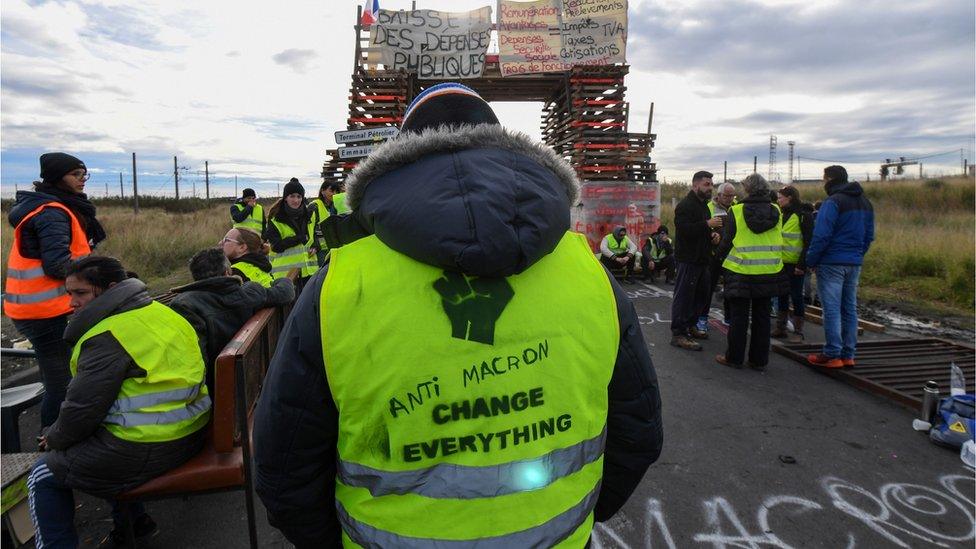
column 612, row 265
column 795, row 295
column 714, row 272
column 690, row 296
column 53, row 354
column 665, row 264
column 739, row 328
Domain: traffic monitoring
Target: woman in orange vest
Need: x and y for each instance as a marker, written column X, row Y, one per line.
column 53, row 225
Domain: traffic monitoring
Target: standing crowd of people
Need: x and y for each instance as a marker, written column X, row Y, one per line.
column 764, row 247
column 385, row 434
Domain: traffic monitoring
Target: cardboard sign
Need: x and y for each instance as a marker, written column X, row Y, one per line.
column 556, row 35
column 436, row 45
column 371, row 134
column 604, row 206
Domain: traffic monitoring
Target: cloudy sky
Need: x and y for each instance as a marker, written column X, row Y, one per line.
column 258, row 88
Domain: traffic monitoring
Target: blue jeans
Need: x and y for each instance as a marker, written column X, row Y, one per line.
column 52, row 508
column 53, row 354
column 837, row 286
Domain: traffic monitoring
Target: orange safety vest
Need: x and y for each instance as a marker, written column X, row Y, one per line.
column 30, row 293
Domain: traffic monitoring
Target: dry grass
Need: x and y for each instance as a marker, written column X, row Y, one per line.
column 155, row 244
column 924, row 251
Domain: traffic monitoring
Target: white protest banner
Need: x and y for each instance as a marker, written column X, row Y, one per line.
column 436, row 45
column 555, row 35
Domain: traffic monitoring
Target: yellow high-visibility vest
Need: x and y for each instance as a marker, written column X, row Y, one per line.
column 471, row 410
column 254, row 220
column 171, row 401
column 753, row 253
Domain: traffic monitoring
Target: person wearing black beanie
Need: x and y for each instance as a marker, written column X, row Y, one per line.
column 54, row 224
column 291, row 232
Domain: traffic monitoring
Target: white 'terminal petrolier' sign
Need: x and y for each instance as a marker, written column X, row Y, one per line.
column 371, row 134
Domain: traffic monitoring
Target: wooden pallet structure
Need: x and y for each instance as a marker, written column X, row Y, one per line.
column 584, row 115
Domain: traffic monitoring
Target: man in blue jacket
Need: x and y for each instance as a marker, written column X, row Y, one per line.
column 841, row 236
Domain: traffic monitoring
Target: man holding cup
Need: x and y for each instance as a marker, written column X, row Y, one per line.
column 693, row 241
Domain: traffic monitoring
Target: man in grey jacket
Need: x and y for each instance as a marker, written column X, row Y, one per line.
column 217, row 304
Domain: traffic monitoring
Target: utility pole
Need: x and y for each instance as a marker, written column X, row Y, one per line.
column 106, row 188
column 176, row 178
column 725, row 171
column 195, row 185
column 650, row 118
column 121, row 188
column 206, row 175
column 755, row 163
column 279, row 189
column 772, row 158
column 135, row 186
column 920, row 170
column 235, row 186
column 791, row 144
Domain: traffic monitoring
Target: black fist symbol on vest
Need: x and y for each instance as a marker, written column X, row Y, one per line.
column 473, row 304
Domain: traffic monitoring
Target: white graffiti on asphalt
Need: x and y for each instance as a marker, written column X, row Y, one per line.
column 656, row 319
column 897, row 512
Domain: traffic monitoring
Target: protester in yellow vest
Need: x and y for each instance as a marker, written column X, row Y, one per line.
column 325, row 207
column 248, row 256
column 247, row 213
column 291, row 233
column 136, row 407
column 751, row 253
column 435, row 387
column 797, row 232
column 619, row 253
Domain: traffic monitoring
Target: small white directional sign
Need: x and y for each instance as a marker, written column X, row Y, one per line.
column 358, row 151
column 370, row 134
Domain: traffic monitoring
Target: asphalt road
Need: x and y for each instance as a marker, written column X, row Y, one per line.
column 788, row 458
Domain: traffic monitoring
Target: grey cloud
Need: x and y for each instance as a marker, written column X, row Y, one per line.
column 285, row 128
column 61, row 91
column 744, row 47
column 297, row 59
column 126, row 25
column 29, row 37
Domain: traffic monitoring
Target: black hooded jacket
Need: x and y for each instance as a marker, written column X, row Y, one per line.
column 760, row 216
column 476, row 200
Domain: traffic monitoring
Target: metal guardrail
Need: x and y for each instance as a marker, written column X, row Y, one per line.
column 897, row 368
column 18, row 353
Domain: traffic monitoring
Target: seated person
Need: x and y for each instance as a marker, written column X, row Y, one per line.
column 657, row 254
column 248, row 256
column 618, row 252
column 217, row 304
column 135, row 408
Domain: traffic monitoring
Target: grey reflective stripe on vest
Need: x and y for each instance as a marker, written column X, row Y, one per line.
column 26, row 274
column 135, row 419
column 743, row 261
column 36, row 297
column 449, row 481
column 796, row 249
column 546, row 534
column 131, row 404
column 757, row 248
column 792, row 235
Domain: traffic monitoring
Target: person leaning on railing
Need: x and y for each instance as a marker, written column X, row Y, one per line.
column 136, row 407
column 217, row 304
column 248, row 256
column 54, row 224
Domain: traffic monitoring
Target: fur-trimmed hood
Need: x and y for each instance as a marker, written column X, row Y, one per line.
column 476, row 199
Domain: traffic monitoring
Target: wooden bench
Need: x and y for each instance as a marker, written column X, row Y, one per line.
column 224, row 463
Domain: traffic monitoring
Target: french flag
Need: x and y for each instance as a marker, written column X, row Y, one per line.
column 371, row 12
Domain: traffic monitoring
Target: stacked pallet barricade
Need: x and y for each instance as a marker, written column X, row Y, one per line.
column 586, row 123
column 377, row 98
